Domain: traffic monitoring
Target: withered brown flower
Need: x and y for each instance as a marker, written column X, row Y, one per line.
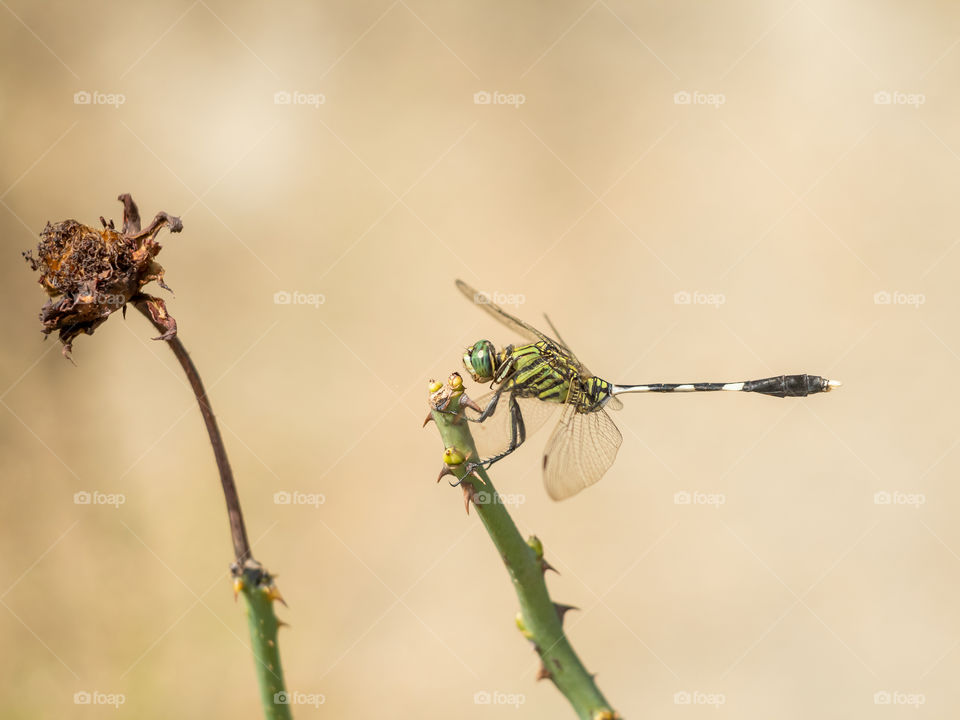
column 90, row 274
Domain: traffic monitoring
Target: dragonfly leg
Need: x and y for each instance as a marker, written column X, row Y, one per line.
column 518, row 435
column 506, row 368
column 485, row 413
column 502, row 379
column 489, row 409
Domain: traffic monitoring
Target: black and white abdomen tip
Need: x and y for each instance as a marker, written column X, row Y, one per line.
column 778, row 386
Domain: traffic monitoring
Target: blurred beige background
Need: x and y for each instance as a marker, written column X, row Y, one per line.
column 785, row 197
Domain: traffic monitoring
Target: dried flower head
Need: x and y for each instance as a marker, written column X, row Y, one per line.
column 90, row 274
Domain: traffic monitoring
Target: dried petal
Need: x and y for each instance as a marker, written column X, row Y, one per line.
column 158, row 313
column 90, row 274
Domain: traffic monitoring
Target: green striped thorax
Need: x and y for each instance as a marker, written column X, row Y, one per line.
column 481, row 361
column 538, row 370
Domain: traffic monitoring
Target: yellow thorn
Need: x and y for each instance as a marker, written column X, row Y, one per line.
column 274, row 594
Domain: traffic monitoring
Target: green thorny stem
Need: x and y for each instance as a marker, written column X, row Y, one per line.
column 249, row 577
column 540, row 619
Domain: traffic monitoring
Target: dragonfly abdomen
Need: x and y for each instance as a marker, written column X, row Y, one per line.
column 778, row 386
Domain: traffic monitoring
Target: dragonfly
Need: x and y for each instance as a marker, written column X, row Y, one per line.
column 528, row 382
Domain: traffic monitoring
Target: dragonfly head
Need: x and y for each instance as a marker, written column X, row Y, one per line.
column 480, row 360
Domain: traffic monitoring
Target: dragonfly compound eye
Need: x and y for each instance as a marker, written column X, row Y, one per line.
column 480, row 361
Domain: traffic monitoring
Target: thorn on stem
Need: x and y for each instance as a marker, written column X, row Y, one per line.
column 468, row 493
column 544, row 566
column 563, row 610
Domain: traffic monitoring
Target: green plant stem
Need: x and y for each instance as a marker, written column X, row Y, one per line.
column 250, row 577
column 258, row 592
column 541, row 620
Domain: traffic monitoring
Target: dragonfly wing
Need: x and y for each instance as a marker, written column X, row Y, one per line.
column 582, row 448
column 519, row 326
column 483, row 301
column 493, row 435
column 584, row 373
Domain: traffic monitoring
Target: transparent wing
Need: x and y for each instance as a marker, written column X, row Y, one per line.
column 584, row 373
column 482, row 301
column 493, row 435
column 582, row 448
column 518, row 326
